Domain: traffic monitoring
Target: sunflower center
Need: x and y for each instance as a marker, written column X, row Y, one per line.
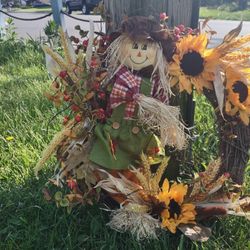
column 192, row 63
column 157, row 209
column 174, row 208
column 241, row 88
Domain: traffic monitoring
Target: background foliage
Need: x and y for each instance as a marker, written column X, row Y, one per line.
column 228, row 5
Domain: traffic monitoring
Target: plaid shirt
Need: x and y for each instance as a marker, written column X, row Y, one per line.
column 125, row 89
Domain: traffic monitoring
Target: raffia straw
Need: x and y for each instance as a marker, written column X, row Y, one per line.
column 58, row 138
column 141, row 225
column 157, row 115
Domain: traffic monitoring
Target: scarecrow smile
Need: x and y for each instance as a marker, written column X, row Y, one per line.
column 138, row 62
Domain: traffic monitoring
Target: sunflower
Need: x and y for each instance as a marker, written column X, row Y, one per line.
column 238, row 95
column 193, row 64
column 176, row 212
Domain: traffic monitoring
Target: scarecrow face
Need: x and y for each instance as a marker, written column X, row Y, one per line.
column 139, row 54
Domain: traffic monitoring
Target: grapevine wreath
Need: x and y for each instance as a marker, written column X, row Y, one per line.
column 113, row 142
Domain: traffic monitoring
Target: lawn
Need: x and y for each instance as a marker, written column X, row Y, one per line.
column 224, row 15
column 27, row 221
column 31, row 10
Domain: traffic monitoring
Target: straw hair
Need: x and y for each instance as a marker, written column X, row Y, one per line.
column 115, row 61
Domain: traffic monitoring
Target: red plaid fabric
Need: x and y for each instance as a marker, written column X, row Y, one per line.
column 158, row 93
column 127, row 86
column 124, row 90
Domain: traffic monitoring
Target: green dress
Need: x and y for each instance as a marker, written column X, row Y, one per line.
column 120, row 142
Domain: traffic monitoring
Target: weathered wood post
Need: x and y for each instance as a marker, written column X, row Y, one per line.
column 184, row 12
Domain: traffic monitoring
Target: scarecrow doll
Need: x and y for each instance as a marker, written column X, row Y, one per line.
column 139, row 119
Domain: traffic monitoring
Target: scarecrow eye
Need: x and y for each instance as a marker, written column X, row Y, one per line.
column 135, row 46
column 144, row 47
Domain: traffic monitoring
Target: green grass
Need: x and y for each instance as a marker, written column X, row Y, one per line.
column 224, row 15
column 27, row 221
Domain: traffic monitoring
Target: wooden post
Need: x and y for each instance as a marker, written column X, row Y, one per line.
column 118, row 9
column 56, row 6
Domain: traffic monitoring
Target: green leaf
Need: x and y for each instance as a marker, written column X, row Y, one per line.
column 58, row 196
column 64, row 202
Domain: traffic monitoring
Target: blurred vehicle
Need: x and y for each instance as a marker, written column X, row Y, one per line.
column 84, row 5
column 39, row 4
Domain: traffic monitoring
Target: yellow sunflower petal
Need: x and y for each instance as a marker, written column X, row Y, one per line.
column 244, row 117
column 165, row 214
column 177, row 192
column 165, row 186
column 200, row 42
column 185, row 84
column 170, row 225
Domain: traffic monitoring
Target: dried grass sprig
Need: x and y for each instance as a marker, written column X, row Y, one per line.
column 65, row 45
column 59, row 60
column 56, row 141
column 149, row 181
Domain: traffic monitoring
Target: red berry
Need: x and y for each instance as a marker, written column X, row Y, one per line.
column 157, row 150
column 100, row 113
column 96, row 85
column 101, row 95
column 75, row 108
column 163, row 16
column 85, row 43
column 72, row 184
column 177, row 37
column 78, row 118
column 93, row 63
column 106, row 38
column 66, row 98
column 181, row 27
column 65, row 120
column 63, row 74
column 177, row 31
